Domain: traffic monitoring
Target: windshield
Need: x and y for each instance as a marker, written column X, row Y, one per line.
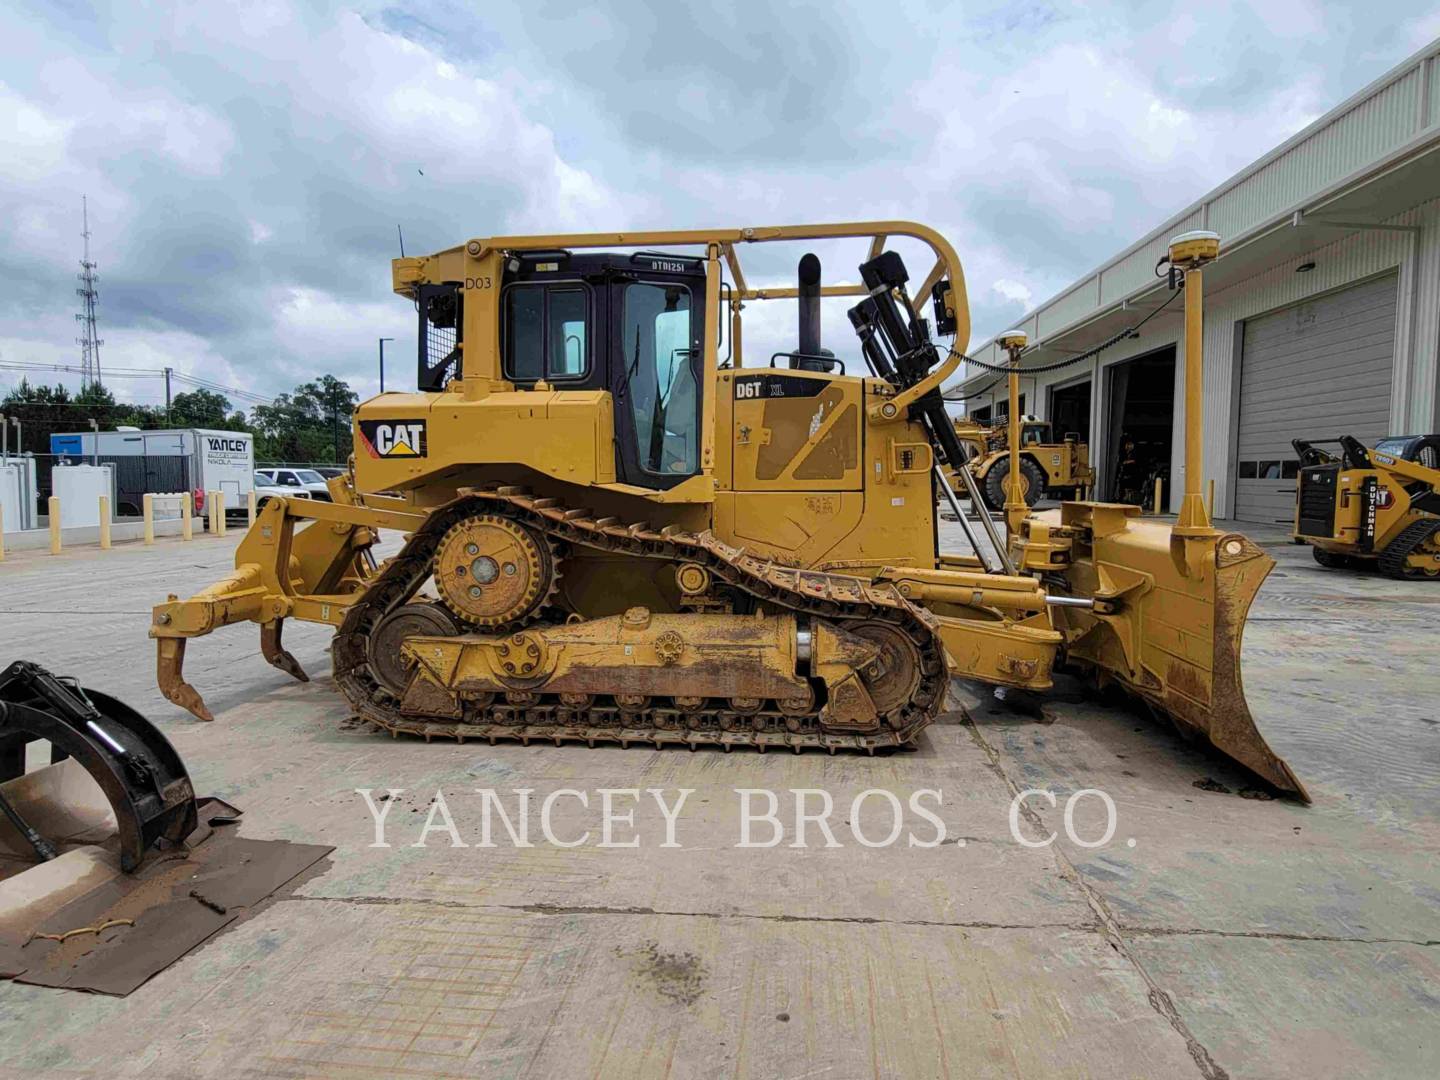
column 309, row 476
column 661, row 377
column 262, row 480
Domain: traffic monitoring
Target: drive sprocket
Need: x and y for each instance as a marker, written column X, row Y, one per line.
column 492, row 571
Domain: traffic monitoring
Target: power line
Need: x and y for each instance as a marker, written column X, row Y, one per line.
column 143, row 373
column 83, row 405
column 122, row 373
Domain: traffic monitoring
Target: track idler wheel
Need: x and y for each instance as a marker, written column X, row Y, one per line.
column 415, row 619
column 894, row 676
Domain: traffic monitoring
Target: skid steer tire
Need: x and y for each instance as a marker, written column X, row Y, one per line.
column 997, row 480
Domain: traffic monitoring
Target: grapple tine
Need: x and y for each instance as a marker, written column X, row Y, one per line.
column 276, row 654
column 170, row 675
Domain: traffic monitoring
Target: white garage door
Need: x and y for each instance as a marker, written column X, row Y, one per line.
column 1313, row 371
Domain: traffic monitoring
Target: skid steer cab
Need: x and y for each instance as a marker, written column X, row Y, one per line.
column 1371, row 507
column 620, row 528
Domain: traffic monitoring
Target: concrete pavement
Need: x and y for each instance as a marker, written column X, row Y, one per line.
column 1237, row 935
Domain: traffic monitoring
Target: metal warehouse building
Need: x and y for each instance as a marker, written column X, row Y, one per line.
column 1322, row 315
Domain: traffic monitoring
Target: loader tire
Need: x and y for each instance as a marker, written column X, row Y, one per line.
column 997, row 480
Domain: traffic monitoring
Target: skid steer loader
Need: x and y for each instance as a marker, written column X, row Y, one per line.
column 1377, row 508
column 617, row 532
column 1048, row 469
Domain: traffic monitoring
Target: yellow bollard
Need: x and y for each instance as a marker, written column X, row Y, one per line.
column 1159, row 492
column 147, row 507
column 220, row 511
column 104, row 522
column 1210, row 500
column 54, row 507
column 187, row 509
column 210, row 503
column 250, row 506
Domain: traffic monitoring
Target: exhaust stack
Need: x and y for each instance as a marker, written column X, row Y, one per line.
column 809, row 351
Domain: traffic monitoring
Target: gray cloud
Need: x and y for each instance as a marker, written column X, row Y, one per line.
column 247, row 166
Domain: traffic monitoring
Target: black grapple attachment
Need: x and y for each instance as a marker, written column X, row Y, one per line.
column 139, row 772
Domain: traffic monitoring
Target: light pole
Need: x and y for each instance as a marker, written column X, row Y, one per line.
column 382, row 362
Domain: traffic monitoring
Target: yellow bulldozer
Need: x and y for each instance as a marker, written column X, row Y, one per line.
column 617, row 532
column 1048, row 468
column 1372, row 508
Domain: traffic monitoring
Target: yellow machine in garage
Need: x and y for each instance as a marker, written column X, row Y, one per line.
column 616, row 531
column 1375, row 507
column 1048, row 469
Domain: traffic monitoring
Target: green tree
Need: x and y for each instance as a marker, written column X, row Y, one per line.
column 311, row 423
column 205, row 409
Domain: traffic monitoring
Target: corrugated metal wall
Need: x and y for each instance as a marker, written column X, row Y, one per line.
column 1344, row 261
column 1314, row 370
column 1366, row 133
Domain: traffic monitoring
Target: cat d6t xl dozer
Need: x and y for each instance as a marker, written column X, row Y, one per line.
column 618, row 532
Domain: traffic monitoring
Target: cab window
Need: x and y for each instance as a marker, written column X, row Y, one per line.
column 546, row 330
column 658, row 356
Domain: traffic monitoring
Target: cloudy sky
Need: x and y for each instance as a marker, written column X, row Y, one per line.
column 246, row 165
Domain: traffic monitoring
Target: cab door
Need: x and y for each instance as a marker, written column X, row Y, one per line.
column 656, row 370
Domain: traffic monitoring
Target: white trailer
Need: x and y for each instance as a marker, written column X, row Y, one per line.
column 198, row 460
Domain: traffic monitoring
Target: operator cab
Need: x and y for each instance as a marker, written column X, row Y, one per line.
column 632, row 325
column 1421, row 449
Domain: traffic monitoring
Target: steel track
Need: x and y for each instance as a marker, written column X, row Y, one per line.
column 836, row 598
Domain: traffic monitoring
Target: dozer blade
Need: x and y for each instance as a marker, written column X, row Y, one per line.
column 1168, row 624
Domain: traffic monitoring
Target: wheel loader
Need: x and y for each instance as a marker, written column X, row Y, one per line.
column 1047, row 468
column 1371, row 507
column 615, row 531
